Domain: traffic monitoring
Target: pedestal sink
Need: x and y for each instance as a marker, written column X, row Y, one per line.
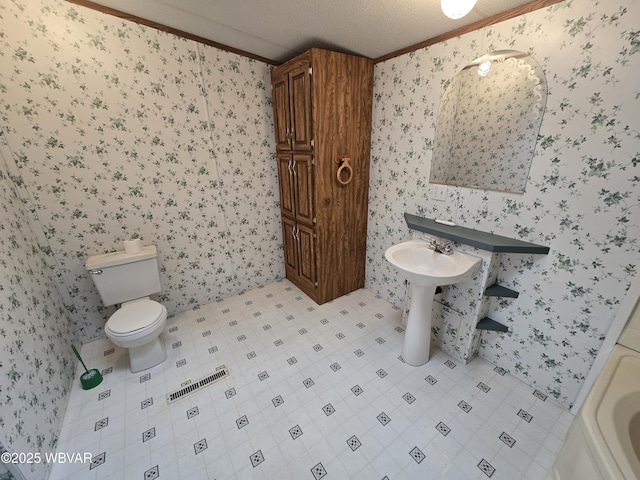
column 426, row 269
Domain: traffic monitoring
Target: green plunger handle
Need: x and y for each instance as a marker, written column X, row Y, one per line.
column 78, row 355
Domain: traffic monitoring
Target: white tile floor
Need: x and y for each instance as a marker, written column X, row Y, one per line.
column 312, row 392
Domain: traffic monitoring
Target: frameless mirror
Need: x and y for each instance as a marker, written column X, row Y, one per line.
column 488, row 123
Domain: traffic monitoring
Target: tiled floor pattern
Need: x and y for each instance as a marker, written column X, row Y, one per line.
column 312, row 392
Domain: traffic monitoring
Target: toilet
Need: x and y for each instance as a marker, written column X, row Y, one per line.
column 127, row 279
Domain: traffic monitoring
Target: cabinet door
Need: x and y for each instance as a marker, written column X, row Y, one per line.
column 290, row 245
column 300, row 101
column 299, row 253
column 281, row 116
column 285, row 182
column 307, row 255
column 303, row 186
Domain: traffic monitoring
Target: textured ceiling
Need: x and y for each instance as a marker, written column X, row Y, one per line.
column 280, row 29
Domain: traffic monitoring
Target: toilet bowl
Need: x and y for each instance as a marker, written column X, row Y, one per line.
column 127, row 279
column 137, row 326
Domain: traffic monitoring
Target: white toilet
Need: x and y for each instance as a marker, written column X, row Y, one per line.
column 129, row 279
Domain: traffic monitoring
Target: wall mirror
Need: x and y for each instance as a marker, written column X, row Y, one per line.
column 488, row 123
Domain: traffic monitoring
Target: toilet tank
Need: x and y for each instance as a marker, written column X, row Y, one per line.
column 120, row 277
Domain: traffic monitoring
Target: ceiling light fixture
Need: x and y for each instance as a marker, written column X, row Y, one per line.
column 456, row 9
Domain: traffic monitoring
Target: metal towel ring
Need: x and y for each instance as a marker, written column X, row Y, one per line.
column 344, row 165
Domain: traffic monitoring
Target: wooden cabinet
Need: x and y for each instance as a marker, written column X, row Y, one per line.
column 322, row 104
column 291, row 98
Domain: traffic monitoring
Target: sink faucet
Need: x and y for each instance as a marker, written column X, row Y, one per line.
column 444, row 248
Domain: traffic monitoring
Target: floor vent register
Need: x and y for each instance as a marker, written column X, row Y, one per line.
column 198, row 385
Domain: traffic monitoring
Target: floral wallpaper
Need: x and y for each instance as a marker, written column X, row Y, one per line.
column 111, row 131
column 36, row 365
column 582, row 198
column 488, row 124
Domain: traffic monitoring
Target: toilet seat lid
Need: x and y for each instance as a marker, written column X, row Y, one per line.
column 135, row 316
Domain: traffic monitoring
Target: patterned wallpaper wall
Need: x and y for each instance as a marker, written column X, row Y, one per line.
column 36, row 365
column 582, row 198
column 120, row 131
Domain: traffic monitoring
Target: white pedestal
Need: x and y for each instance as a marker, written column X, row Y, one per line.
column 417, row 336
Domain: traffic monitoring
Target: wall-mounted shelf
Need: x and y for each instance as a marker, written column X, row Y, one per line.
column 489, row 324
column 495, row 245
column 476, row 238
column 496, row 290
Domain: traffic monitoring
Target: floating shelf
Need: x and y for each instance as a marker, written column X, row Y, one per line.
column 475, row 238
column 489, row 324
column 496, row 290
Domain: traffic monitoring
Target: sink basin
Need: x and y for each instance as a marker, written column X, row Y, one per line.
column 425, row 269
column 423, row 266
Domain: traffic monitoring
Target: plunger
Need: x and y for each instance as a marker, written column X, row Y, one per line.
column 90, row 378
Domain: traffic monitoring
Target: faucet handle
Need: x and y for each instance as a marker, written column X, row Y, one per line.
column 431, row 241
column 447, row 249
